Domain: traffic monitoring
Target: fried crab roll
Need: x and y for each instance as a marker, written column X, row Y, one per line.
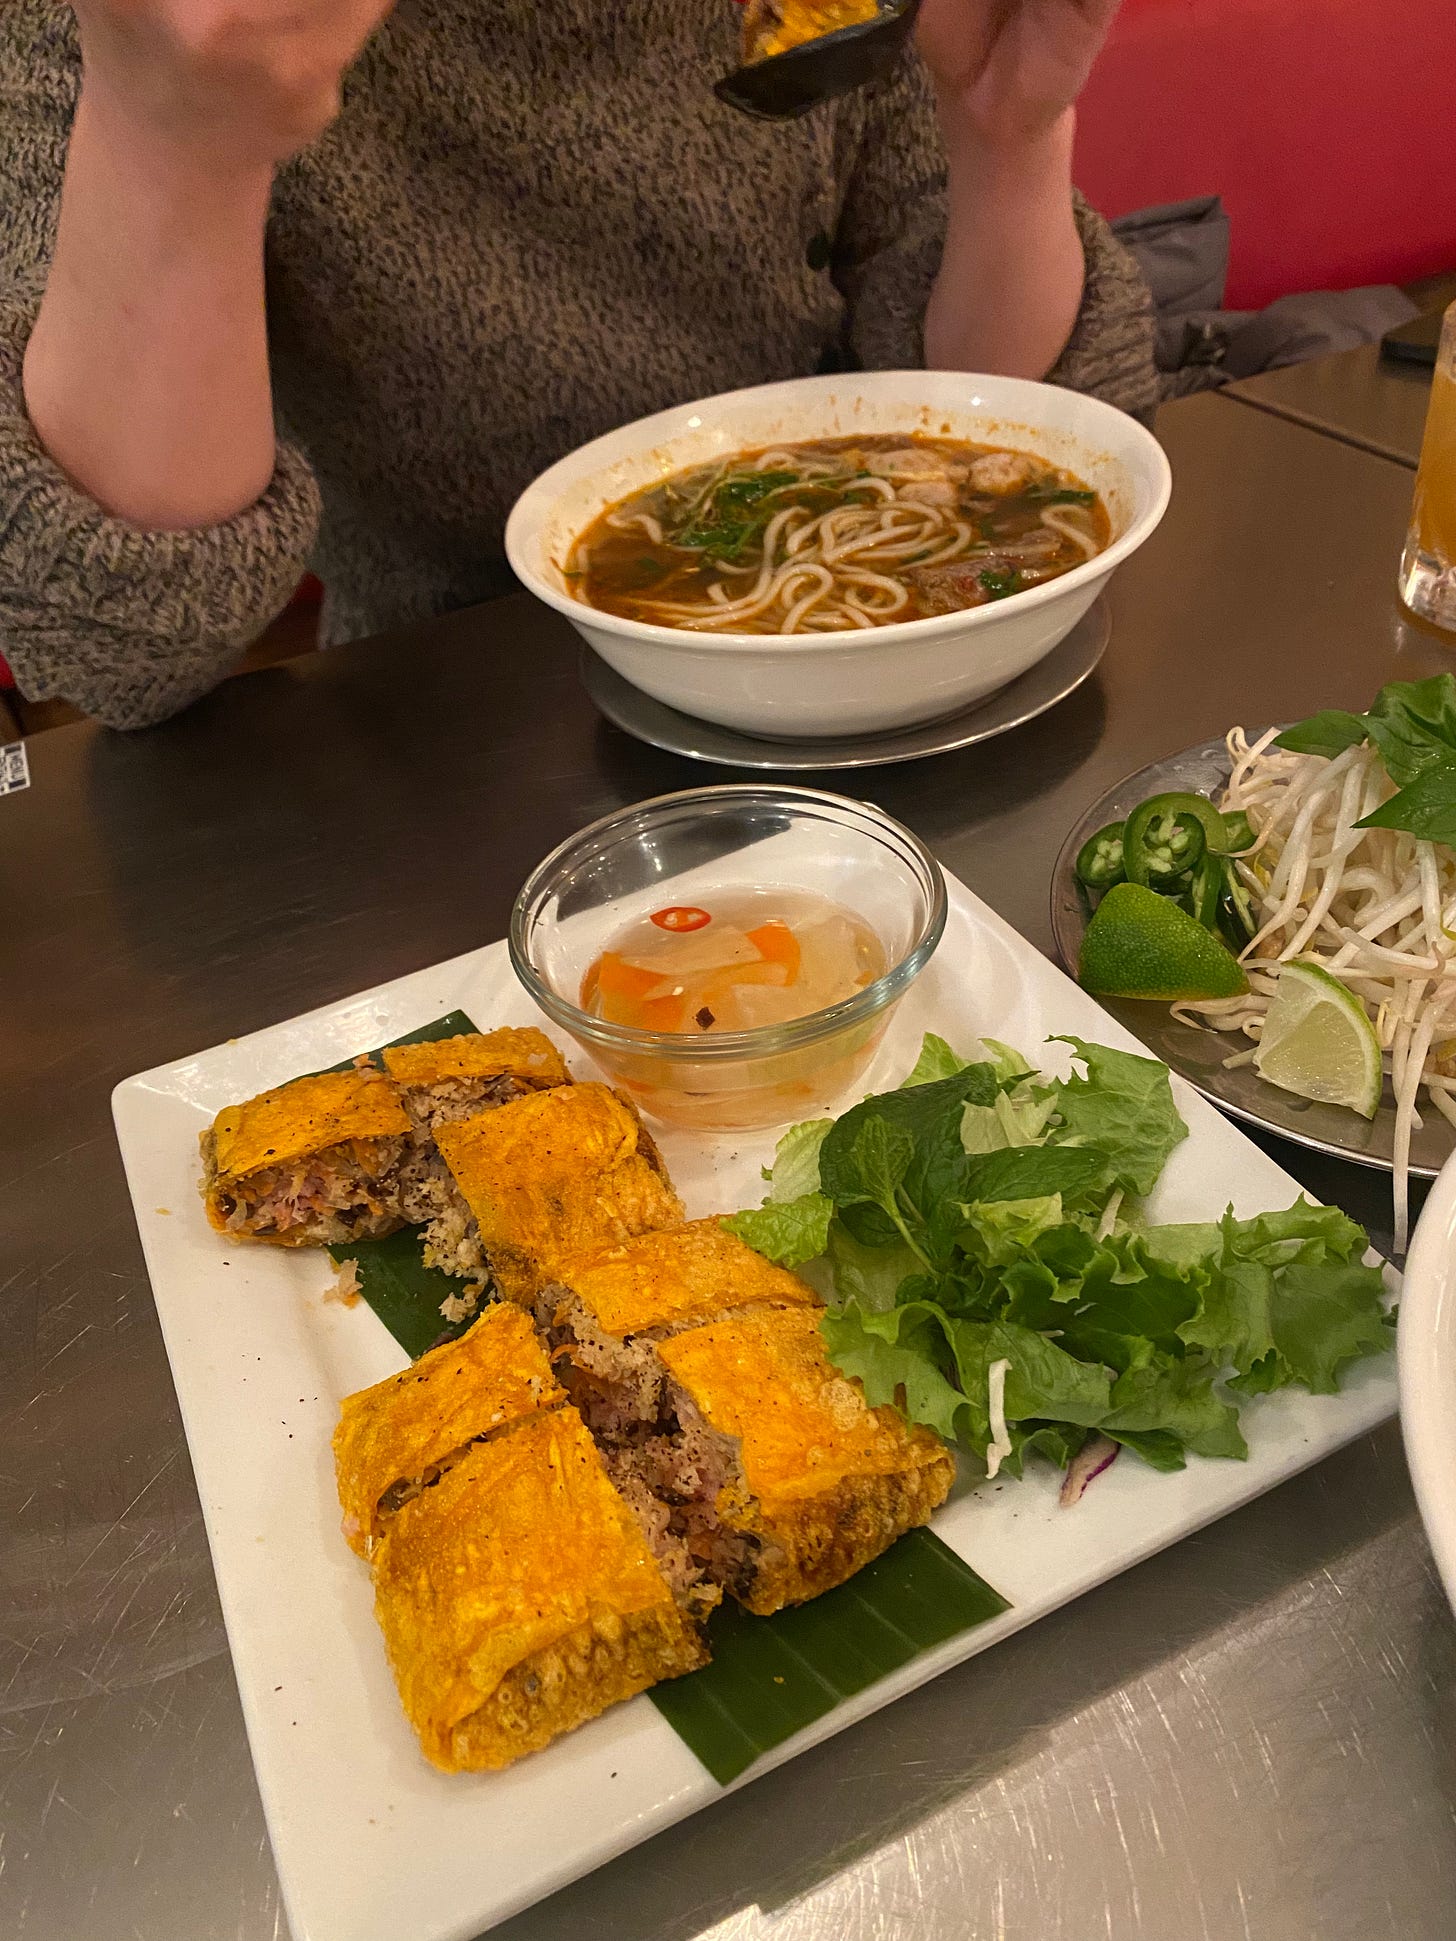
column 453, row 1078
column 396, row 1440
column 655, row 1284
column 813, row 1483
column 519, row 1597
column 518, row 1592
column 700, row 1370
column 561, row 1172
column 309, row 1164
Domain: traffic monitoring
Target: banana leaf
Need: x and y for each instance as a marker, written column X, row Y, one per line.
column 393, row 1278
column 769, row 1677
column 772, row 1677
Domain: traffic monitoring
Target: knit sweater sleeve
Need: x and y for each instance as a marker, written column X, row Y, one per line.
column 127, row 624
column 892, row 232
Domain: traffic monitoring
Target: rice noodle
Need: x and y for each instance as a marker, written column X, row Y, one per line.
column 818, row 567
column 1373, row 907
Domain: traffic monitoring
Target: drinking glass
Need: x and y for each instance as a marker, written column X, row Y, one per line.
column 1428, row 565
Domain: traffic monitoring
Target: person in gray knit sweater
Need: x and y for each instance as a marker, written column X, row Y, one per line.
column 325, row 282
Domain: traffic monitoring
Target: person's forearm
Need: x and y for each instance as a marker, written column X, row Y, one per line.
column 1010, row 281
column 146, row 376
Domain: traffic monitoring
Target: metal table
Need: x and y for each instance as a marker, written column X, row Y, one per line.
column 1356, row 395
column 1247, row 1736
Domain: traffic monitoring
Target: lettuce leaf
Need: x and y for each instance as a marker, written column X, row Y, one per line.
column 936, row 1060
column 1123, row 1106
column 790, row 1232
column 967, row 1218
column 795, row 1169
column 901, row 1357
column 1018, row 1117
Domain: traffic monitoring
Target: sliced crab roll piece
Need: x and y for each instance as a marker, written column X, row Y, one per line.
column 311, row 1163
column 535, row 1182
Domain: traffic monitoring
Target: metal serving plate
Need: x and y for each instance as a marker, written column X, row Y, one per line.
column 1198, row 1055
column 790, row 84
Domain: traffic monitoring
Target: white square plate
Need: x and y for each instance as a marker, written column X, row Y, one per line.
column 372, row 1843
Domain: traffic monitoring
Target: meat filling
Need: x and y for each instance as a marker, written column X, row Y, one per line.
column 344, row 1193
column 452, row 1099
column 655, row 1443
column 695, row 1596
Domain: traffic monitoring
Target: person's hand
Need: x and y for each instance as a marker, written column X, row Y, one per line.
column 233, row 85
column 1010, row 69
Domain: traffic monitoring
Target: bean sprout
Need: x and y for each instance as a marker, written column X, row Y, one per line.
column 1373, row 907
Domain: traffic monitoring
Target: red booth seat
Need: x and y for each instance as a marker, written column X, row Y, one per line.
column 1327, row 126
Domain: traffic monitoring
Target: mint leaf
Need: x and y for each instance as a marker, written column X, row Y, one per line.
column 922, row 1211
column 795, row 1169
column 791, row 1232
column 1124, row 1107
column 924, row 1111
column 1033, row 1172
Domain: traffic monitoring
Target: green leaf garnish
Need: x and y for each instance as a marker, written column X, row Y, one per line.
column 970, row 1218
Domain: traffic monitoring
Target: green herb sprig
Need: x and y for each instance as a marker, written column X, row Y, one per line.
column 983, row 1214
column 1413, row 725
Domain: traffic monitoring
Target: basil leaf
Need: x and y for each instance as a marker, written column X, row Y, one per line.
column 1413, row 723
column 1328, row 733
column 1425, row 808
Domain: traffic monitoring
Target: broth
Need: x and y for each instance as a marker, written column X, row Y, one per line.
column 837, row 533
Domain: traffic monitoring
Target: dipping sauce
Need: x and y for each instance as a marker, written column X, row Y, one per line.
column 751, row 958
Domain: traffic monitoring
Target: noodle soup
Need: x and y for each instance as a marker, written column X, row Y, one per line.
column 836, row 534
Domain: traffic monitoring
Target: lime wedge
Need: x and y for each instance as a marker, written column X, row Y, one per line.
column 1140, row 944
column 1319, row 1042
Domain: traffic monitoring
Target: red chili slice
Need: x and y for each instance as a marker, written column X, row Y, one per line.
column 681, row 916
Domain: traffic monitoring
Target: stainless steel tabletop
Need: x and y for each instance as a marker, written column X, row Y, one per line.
column 1357, row 395
column 1249, row 1736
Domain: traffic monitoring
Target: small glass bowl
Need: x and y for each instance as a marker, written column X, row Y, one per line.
column 689, row 848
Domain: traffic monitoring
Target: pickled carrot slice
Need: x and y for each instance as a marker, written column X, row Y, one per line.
column 776, row 943
column 665, row 1012
column 617, row 978
column 661, row 1014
